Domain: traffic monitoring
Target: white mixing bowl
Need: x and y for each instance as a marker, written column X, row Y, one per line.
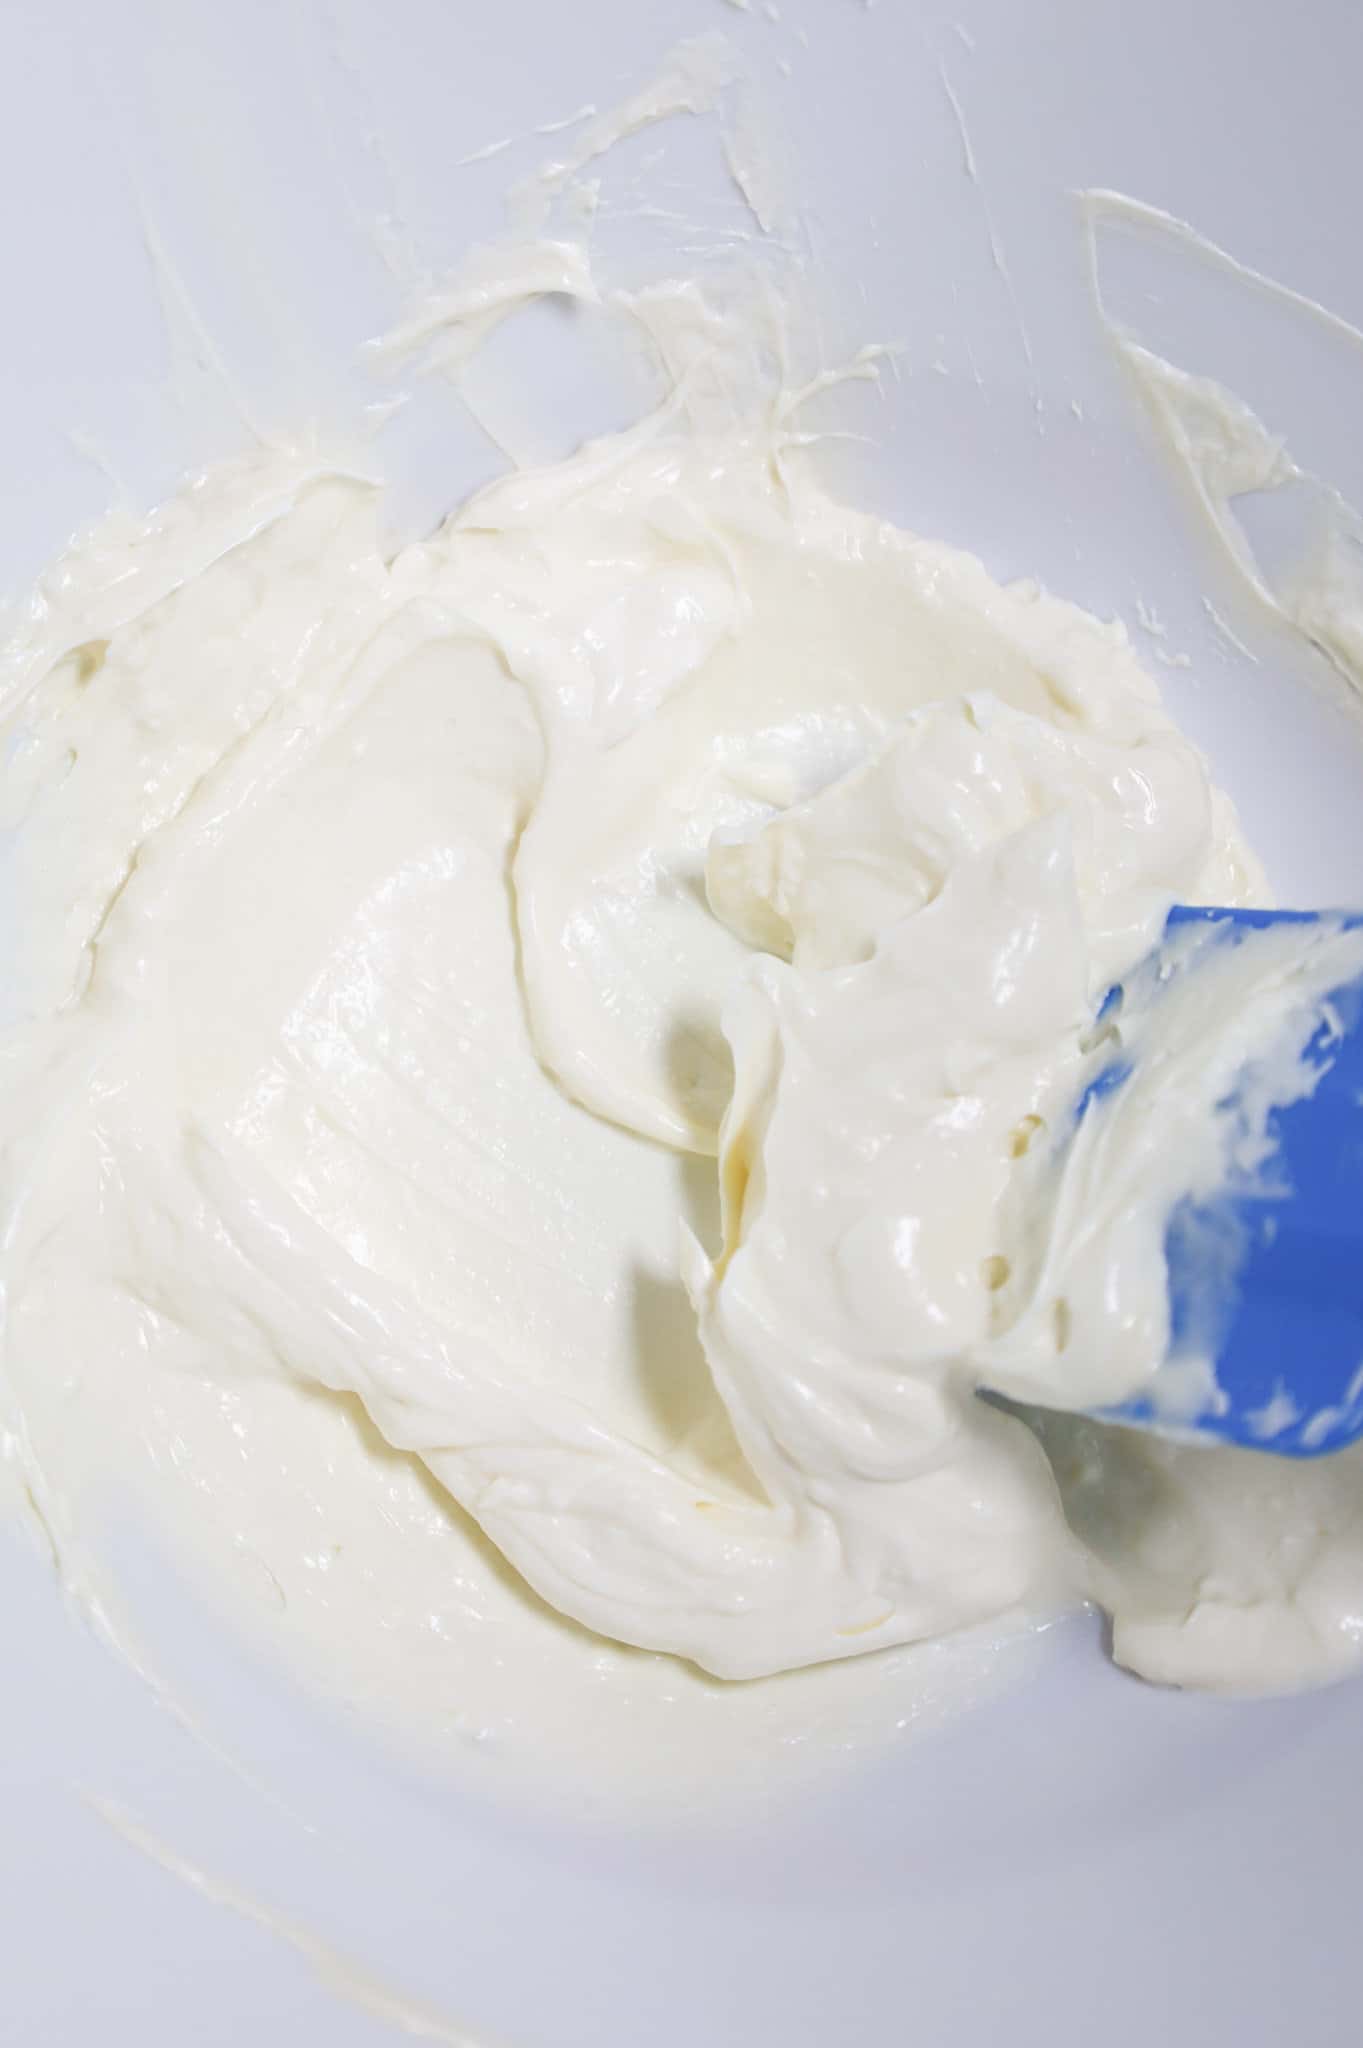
column 1084, row 1859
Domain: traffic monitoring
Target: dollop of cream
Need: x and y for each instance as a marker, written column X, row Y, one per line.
column 404, row 939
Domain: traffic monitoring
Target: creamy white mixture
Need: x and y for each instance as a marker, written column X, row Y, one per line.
column 540, row 1078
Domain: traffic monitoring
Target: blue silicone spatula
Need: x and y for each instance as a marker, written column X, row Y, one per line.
column 1285, row 1309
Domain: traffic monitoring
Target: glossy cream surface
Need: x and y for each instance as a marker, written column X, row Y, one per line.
column 539, row 1089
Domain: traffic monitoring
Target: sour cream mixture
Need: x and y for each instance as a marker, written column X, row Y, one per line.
column 575, row 1024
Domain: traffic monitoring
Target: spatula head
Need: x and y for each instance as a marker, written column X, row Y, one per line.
column 1266, row 1278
